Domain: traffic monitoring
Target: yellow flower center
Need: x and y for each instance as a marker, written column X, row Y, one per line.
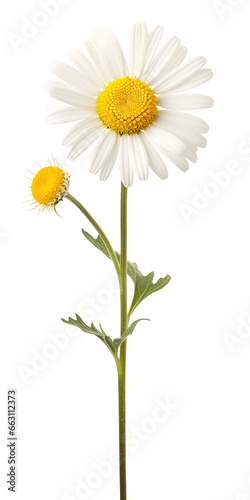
column 48, row 184
column 127, row 105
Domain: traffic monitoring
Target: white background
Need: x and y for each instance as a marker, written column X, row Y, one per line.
column 67, row 406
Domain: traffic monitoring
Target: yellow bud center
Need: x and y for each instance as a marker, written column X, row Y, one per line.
column 127, row 105
column 48, row 184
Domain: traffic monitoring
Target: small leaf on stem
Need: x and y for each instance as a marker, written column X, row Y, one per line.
column 92, row 330
column 144, row 285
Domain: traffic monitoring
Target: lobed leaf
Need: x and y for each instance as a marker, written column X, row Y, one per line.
column 113, row 345
column 144, row 285
column 92, row 330
column 117, row 342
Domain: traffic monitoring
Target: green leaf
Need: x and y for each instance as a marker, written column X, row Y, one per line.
column 117, row 342
column 113, row 345
column 97, row 242
column 131, row 328
column 144, row 285
column 92, row 330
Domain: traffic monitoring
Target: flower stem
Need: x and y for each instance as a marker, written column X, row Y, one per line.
column 100, row 232
column 121, row 365
column 121, row 270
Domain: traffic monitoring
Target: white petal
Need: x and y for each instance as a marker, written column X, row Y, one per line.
column 155, row 161
column 85, row 129
column 184, row 132
column 111, row 158
column 139, row 158
column 165, row 140
column 192, row 156
column 178, row 160
column 197, row 79
column 104, row 153
column 82, row 144
column 107, row 55
column 178, row 58
column 72, row 97
column 80, row 129
column 73, row 133
column 98, row 152
column 114, row 52
column 138, row 48
column 157, row 70
column 67, row 114
column 98, row 60
column 73, row 77
column 180, row 74
column 192, row 148
column 50, row 85
column 88, row 69
column 185, row 119
column 186, row 101
column 154, row 38
column 108, row 52
column 126, row 170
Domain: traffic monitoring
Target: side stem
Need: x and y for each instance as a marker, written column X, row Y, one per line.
column 122, row 359
column 100, row 232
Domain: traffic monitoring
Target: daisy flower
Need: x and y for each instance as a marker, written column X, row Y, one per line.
column 131, row 113
column 49, row 186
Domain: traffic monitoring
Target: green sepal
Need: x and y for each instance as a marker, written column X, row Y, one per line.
column 92, row 330
column 144, row 285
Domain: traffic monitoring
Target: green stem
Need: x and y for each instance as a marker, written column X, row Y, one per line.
column 121, row 270
column 100, row 232
column 122, row 360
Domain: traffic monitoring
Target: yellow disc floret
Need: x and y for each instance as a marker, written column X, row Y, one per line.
column 49, row 186
column 127, row 105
